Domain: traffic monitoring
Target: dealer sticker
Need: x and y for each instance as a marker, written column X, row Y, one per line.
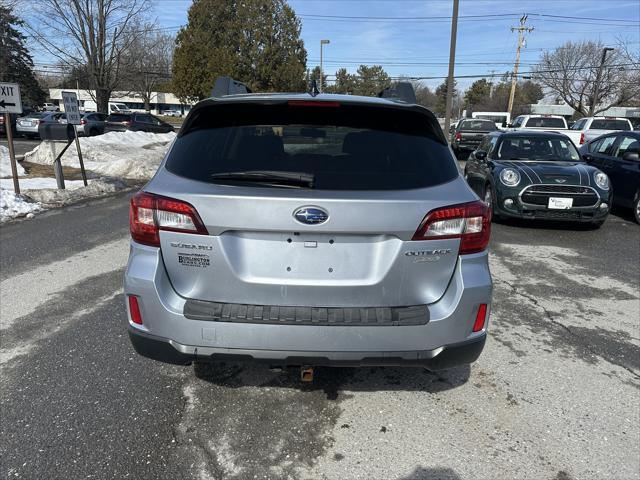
column 199, row 260
column 559, row 203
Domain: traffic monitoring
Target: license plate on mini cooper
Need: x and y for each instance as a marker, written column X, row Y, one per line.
column 560, row 203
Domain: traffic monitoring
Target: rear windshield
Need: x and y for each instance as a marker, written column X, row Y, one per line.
column 481, row 125
column 546, row 122
column 607, row 124
column 344, row 147
column 537, row 148
column 119, row 117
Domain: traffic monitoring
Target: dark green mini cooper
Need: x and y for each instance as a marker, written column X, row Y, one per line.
column 537, row 175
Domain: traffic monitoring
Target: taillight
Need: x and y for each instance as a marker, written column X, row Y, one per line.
column 127, row 123
column 83, row 122
column 581, row 138
column 481, row 317
column 470, row 222
column 150, row 213
column 458, row 136
column 134, row 310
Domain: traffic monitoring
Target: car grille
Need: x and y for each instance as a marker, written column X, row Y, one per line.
column 319, row 316
column 539, row 195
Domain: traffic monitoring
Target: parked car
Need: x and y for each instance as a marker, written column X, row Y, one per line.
column 3, row 128
column 91, row 124
column 537, row 175
column 49, row 107
column 539, row 122
column 114, row 107
column 138, row 122
column 172, row 113
column 469, row 133
column 588, row 128
column 27, row 125
column 616, row 154
column 309, row 230
column 500, row 119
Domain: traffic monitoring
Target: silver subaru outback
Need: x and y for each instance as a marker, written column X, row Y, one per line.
column 295, row 229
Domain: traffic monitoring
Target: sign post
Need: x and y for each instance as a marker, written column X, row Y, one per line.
column 70, row 100
column 10, row 102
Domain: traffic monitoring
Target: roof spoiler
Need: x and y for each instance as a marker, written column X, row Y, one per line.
column 228, row 86
column 400, row 91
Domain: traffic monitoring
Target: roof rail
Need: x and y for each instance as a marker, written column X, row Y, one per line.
column 228, row 86
column 401, row 91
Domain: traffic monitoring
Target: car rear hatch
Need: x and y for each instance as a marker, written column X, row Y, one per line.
column 327, row 214
column 118, row 122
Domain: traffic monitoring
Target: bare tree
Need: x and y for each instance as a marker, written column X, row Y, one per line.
column 149, row 58
column 576, row 72
column 90, row 34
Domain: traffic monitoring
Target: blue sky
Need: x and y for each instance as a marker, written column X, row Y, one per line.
column 399, row 45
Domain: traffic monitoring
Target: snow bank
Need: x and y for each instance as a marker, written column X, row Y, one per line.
column 134, row 155
column 12, row 206
column 96, row 188
column 5, row 165
column 39, row 183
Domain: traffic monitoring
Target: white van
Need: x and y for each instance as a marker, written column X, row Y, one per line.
column 114, row 107
column 501, row 119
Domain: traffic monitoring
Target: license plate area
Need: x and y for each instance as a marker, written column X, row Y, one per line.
column 560, row 203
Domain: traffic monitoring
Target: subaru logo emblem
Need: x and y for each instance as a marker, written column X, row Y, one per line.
column 311, row 215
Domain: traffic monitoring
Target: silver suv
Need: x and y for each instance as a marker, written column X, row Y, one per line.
column 295, row 229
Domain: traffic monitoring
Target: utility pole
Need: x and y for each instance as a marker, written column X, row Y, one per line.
column 452, row 60
column 596, row 87
column 522, row 29
column 322, row 42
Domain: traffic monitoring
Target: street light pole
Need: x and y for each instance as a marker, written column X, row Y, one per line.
column 596, row 87
column 452, row 59
column 322, row 42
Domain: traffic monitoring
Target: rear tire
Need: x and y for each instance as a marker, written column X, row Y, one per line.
column 93, row 132
column 490, row 199
column 636, row 208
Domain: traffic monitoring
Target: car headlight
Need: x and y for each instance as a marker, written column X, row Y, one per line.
column 601, row 180
column 509, row 177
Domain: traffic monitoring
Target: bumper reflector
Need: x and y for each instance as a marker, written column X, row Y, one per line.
column 134, row 310
column 480, row 317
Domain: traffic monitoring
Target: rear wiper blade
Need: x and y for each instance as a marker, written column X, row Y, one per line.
column 268, row 176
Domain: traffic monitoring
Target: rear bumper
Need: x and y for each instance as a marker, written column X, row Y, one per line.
column 168, row 351
column 444, row 339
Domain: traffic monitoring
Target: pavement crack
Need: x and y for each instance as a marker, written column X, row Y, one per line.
column 549, row 316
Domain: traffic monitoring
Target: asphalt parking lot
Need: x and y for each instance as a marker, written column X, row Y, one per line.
column 555, row 394
column 21, row 145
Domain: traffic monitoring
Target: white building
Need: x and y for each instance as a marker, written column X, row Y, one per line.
column 160, row 101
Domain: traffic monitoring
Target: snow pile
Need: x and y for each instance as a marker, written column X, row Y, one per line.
column 38, row 183
column 5, row 165
column 134, row 155
column 75, row 191
column 12, row 206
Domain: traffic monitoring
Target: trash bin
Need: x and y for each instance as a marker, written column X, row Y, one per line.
column 55, row 131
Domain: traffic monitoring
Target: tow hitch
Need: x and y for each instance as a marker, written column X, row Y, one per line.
column 306, row 374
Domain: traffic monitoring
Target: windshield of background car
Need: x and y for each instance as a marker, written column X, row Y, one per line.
column 607, row 124
column 345, row 147
column 537, row 148
column 546, row 122
column 480, row 125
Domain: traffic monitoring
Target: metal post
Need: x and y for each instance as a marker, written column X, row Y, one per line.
column 322, row 42
column 596, row 87
column 57, row 166
column 84, row 174
column 452, row 59
column 12, row 153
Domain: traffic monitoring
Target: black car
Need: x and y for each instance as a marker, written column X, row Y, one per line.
column 469, row 133
column 137, row 122
column 617, row 155
column 537, row 175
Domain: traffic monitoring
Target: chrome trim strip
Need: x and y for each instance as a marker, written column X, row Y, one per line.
column 560, row 193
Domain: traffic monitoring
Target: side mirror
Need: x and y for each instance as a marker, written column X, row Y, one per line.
column 587, row 158
column 631, row 156
column 480, row 154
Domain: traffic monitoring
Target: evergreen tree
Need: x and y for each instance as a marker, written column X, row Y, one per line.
column 16, row 63
column 371, row 80
column 441, row 100
column 255, row 41
column 478, row 94
column 346, row 83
